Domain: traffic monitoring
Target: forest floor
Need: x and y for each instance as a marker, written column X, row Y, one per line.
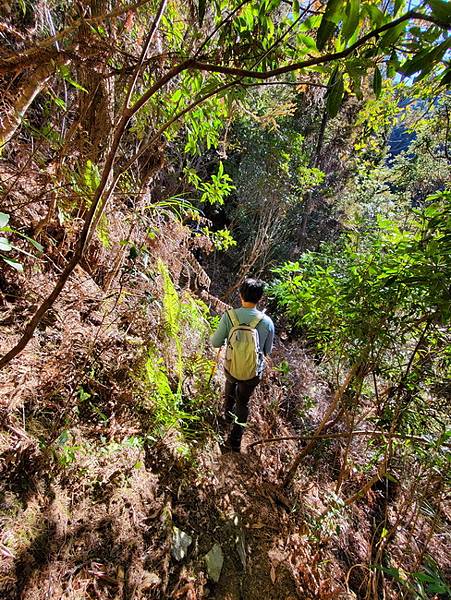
column 99, row 521
column 87, row 510
column 103, row 520
column 94, row 503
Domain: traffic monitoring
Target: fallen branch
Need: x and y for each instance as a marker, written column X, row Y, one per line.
column 333, row 436
column 324, row 421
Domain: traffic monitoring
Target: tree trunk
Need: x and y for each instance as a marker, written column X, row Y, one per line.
column 96, row 106
column 308, row 205
column 25, row 96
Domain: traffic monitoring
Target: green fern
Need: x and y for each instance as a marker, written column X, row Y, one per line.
column 177, row 373
column 165, row 402
column 171, row 302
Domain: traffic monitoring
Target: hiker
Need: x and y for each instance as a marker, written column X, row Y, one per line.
column 249, row 334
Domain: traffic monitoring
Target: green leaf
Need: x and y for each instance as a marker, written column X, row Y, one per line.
column 202, row 7
column 446, row 79
column 375, row 14
column 392, row 35
column 91, row 176
column 438, row 588
column 58, row 101
column 63, row 437
column 66, row 75
column 75, row 84
column 306, row 41
column 33, row 242
column 272, row 4
column 4, row 219
column 391, row 571
column 352, row 18
column 441, row 10
column 214, row 560
column 5, row 246
column 425, row 60
column 13, row 263
column 415, row 64
column 398, row 5
column 377, row 82
column 249, row 18
column 392, row 65
column 310, row 23
column 424, row 577
column 391, row 477
column 176, row 96
column 356, row 77
column 327, row 25
column 335, row 94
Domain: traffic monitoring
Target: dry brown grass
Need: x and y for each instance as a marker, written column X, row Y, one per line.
column 88, row 503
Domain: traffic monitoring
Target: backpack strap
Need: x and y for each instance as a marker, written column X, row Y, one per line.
column 256, row 321
column 233, row 318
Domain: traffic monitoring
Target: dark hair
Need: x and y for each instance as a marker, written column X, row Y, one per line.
column 251, row 290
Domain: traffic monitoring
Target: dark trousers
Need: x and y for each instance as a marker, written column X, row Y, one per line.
column 236, row 405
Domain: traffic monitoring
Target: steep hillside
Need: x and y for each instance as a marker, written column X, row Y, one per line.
column 113, row 481
column 154, row 154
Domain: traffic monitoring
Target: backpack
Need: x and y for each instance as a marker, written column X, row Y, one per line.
column 243, row 348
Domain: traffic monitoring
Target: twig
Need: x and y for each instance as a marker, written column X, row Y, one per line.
column 145, row 49
column 344, row 434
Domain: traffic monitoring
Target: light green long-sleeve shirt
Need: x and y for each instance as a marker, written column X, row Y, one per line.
column 265, row 330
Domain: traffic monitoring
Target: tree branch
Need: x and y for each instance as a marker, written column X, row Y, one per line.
column 145, row 49
column 334, row 436
column 331, row 408
column 319, row 60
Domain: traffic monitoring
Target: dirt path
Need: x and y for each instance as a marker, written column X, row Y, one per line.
column 239, row 506
column 251, row 525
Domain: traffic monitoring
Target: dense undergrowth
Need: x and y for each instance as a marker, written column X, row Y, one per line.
column 377, row 309
column 119, row 385
column 110, row 448
column 151, row 156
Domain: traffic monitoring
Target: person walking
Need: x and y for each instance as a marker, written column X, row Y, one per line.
column 249, row 334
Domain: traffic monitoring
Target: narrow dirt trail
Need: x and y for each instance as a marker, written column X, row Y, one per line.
column 251, row 526
column 240, row 506
column 244, row 516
